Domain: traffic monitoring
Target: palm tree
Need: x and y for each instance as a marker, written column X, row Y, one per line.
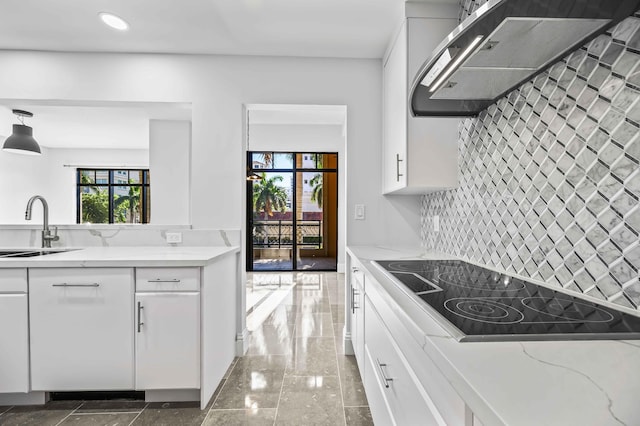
column 268, row 196
column 316, row 191
column 127, row 205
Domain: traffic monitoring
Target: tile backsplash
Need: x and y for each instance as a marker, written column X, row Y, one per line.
column 549, row 177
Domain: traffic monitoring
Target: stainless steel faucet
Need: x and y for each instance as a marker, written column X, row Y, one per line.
column 47, row 237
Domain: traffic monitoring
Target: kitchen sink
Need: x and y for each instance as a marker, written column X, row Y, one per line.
column 9, row 253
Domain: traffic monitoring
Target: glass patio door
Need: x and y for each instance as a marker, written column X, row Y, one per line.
column 292, row 211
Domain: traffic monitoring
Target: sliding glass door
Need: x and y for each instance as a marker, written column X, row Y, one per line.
column 292, row 211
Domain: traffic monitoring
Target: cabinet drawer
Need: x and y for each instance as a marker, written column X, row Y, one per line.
column 13, row 280
column 406, row 398
column 167, row 279
column 406, row 334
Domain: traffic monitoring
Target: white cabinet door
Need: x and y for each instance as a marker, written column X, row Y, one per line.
column 14, row 343
column 168, row 340
column 395, row 115
column 81, row 334
column 419, row 153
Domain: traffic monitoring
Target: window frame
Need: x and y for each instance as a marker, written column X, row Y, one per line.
column 144, row 185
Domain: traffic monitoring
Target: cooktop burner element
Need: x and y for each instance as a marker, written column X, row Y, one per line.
column 483, row 310
column 483, row 305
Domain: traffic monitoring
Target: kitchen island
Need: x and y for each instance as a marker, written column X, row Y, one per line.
column 156, row 319
column 491, row 383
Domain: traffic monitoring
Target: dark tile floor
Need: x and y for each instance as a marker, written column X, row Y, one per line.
column 294, row 373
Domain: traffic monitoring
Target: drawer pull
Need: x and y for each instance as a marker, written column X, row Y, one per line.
column 140, row 323
column 355, row 269
column 384, row 376
column 354, row 293
column 398, row 174
column 355, row 306
column 76, row 285
column 160, row 280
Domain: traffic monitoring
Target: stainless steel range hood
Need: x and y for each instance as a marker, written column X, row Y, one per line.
column 504, row 44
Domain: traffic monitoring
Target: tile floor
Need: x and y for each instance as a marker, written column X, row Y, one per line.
column 294, row 373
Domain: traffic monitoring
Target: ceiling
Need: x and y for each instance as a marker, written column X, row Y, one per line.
column 319, row 28
column 113, row 125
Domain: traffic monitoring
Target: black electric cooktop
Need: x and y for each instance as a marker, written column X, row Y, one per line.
column 484, row 305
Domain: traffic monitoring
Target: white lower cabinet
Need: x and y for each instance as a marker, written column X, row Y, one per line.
column 167, row 340
column 389, row 373
column 14, row 331
column 81, row 335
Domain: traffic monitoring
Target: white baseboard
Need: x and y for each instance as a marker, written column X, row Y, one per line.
column 242, row 342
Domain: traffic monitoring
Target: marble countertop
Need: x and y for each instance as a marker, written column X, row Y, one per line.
column 122, row 257
column 524, row 383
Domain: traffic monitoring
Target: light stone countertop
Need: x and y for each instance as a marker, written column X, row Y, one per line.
column 524, row 383
column 122, row 257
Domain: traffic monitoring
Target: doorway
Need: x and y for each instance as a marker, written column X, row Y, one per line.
column 292, row 211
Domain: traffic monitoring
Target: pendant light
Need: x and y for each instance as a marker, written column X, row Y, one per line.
column 21, row 140
column 252, row 176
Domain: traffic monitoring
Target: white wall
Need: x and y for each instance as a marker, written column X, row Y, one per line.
column 217, row 87
column 297, row 137
column 169, row 165
column 22, row 176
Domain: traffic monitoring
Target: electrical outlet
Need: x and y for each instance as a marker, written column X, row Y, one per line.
column 360, row 212
column 174, row 237
column 436, row 223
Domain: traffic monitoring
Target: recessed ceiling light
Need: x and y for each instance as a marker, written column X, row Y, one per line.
column 114, row 21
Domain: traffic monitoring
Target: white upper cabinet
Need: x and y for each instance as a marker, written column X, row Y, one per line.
column 420, row 153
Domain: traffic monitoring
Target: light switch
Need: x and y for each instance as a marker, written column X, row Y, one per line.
column 359, row 212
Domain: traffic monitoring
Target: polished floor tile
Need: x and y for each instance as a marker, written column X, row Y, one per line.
column 111, row 406
column 99, row 419
column 171, row 414
column 271, row 340
column 249, row 417
column 313, row 400
column 49, row 414
column 337, row 313
column 338, row 331
column 358, row 416
column 352, row 388
column 313, row 356
column 254, row 382
column 314, row 325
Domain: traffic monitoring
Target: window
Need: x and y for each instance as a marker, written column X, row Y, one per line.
column 112, row 196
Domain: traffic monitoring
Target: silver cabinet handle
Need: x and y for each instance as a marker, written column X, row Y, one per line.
column 76, row 285
column 355, row 294
column 160, row 280
column 353, row 300
column 384, row 376
column 140, row 323
column 398, row 174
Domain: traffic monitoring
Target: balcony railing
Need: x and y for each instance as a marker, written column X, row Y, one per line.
column 280, row 233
